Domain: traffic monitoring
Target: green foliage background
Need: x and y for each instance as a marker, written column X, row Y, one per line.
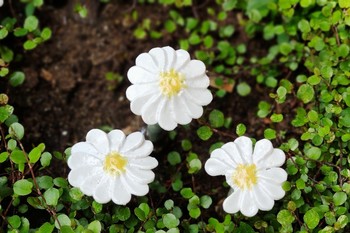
column 305, row 69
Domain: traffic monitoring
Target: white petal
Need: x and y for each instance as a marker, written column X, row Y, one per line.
column 141, row 176
column 182, row 59
column 137, row 105
column 223, row 156
column 215, row 167
column 194, row 111
column 199, row 82
column 149, row 110
column 133, row 187
column 262, row 199
column 180, row 114
column 144, row 163
column 84, row 147
column 233, row 152
column 132, row 141
column 138, row 75
column 274, row 191
column 159, row 57
column 245, row 147
column 99, row 140
column 102, row 192
column 193, row 69
column 274, row 159
column 170, row 57
column 275, row 174
column 166, row 119
column 145, row 60
column 90, row 184
column 116, row 139
column 120, row 195
column 262, row 149
column 143, row 150
column 248, row 206
column 79, row 159
column 198, row 96
column 140, row 90
column 77, row 176
column 232, row 202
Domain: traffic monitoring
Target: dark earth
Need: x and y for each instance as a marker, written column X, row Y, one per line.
column 66, row 92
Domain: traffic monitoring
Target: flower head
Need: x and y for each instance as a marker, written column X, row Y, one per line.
column 254, row 176
column 112, row 166
column 168, row 88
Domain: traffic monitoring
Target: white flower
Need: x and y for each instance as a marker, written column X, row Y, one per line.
column 168, row 88
column 1, row 2
column 112, row 166
column 255, row 177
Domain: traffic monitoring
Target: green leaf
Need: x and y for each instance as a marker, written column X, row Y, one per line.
column 216, row 118
column 44, row 182
column 187, row 193
column 270, row 133
column 344, row 3
column 3, row 33
column 64, row 220
column 244, row 228
column 19, row 32
column 45, row 159
column 46, row 228
column 174, row 158
column 276, row 117
column 123, row 213
column 285, row 217
column 16, row 130
column 51, row 196
column 304, row 26
column 3, row 156
column 34, row 155
column 16, row 78
column 170, row 221
column 243, row 89
column 18, row 157
column 311, row 218
column 22, row 187
column 29, row 45
column 313, row 152
column 195, row 212
column 95, row 226
column 206, row 201
column 305, row 93
column 240, row 129
column 5, row 112
column 31, row 23
column 344, row 119
column 14, row 221
column 204, row 133
column 46, row 34
column 339, row 198
column 195, row 165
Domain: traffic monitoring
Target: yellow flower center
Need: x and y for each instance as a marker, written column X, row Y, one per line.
column 171, row 82
column 245, row 176
column 114, row 163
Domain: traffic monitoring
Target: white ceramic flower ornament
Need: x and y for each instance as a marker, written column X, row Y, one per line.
column 112, row 166
column 255, row 177
column 168, row 87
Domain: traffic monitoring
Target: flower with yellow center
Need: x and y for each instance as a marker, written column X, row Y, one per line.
column 254, row 176
column 112, row 166
column 168, row 87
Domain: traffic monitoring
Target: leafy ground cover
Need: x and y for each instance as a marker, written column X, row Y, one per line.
column 279, row 70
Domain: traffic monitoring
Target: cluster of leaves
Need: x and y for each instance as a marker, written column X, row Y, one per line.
column 303, row 64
